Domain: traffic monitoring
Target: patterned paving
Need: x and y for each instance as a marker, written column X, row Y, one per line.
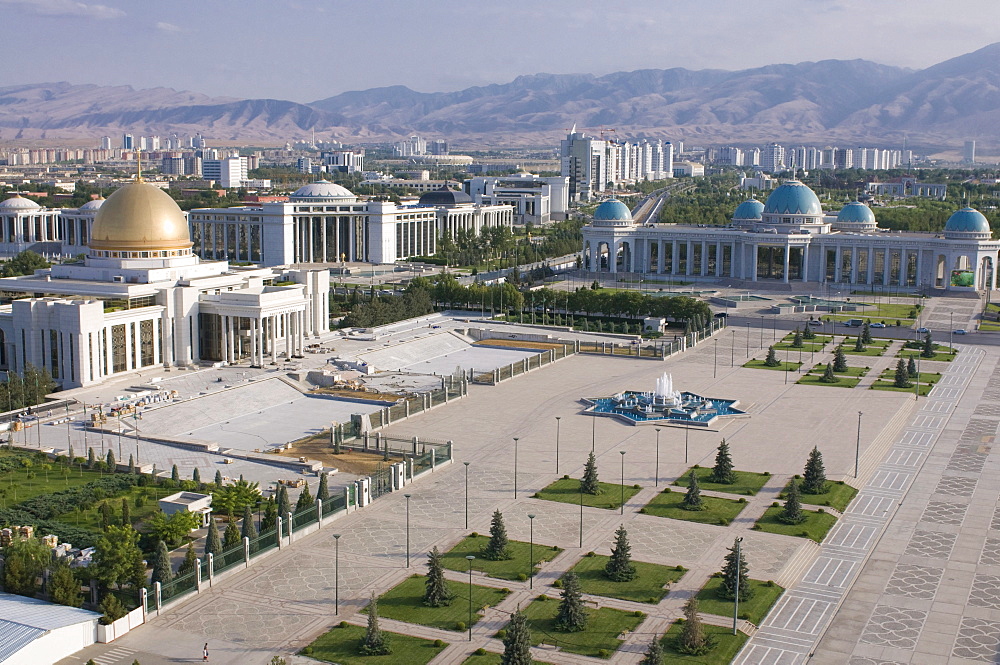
column 894, row 627
column 978, row 640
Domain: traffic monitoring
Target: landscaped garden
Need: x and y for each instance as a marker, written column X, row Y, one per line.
column 600, row 638
column 588, row 490
column 405, row 602
column 747, row 483
column 781, row 366
column 341, row 645
column 650, row 584
column 815, row 525
column 514, row 568
column 714, row 510
column 753, row 609
column 836, row 495
column 724, row 649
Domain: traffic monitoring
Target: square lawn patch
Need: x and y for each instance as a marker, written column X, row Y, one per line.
column 941, row 353
column 726, row 647
column 747, row 482
column 340, row 645
column 509, row 569
column 753, row 610
column 405, row 602
column 491, row 659
column 600, row 639
column 837, row 495
column 923, row 389
column 567, row 490
column 842, row 381
column 717, row 510
column 815, row 527
column 647, row 587
column 783, row 367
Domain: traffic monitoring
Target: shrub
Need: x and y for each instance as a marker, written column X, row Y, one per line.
column 542, row 597
column 603, row 653
column 343, row 624
column 480, row 651
column 591, row 553
column 306, row 651
column 642, row 511
column 666, row 490
column 636, row 486
column 501, row 634
column 505, row 591
column 557, row 584
column 521, row 577
column 741, row 500
column 439, row 643
column 637, row 613
column 565, row 476
column 774, row 504
column 474, row 534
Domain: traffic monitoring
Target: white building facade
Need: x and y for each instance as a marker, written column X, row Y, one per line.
column 535, row 199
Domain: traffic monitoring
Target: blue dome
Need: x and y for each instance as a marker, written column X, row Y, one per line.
column 793, row 198
column 749, row 209
column 612, row 210
column 967, row 220
column 856, row 212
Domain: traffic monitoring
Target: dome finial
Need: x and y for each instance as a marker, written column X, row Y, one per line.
column 138, row 159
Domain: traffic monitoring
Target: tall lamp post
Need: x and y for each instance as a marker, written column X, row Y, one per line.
column 407, row 530
column 715, row 362
column 336, row 575
column 581, row 515
column 736, row 603
column 656, row 471
column 593, row 434
column 515, row 466
column 558, row 418
column 732, row 359
column 466, row 494
column 531, row 551
column 470, row 559
column 687, row 430
column 748, row 339
column 623, row 481
column 857, row 448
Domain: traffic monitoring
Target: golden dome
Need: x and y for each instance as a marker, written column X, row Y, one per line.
column 140, row 216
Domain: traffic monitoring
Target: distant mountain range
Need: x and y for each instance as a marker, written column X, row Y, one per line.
column 852, row 101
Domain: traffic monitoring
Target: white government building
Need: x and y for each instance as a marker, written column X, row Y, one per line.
column 790, row 239
column 141, row 298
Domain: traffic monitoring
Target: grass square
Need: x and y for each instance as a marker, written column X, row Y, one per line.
column 837, row 495
column 340, row 645
column 727, row 646
column 647, row 587
column 510, row 569
column 783, row 367
column 490, row 658
column 870, row 350
column 567, row 490
column 941, row 354
column 924, row 389
column 747, row 483
column 753, row 610
column 842, row 381
column 717, row 510
column 599, row 640
column 815, row 527
column 404, row 602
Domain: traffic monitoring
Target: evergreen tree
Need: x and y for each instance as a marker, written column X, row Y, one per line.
column 723, row 472
column 126, row 512
column 175, row 475
column 196, row 476
column 692, row 500
column 64, row 588
column 792, row 512
column 772, row 359
column 284, row 503
column 808, row 333
column 928, row 350
column 375, row 642
column 323, row 491
column 692, row 640
column 305, row 499
column 735, row 573
column 517, row 642
column 91, row 458
column 109, row 461
column 249, row 529
column 797, row 339
column 497, row 549
column 866, row 334
column 839, row 360
column 828, row 375
column 270, row 519
column 190, row 561
column 218, row 478
column 902, row 378
column 232, row 536
column 654, row 653
column 70, row 457
column 131, row 464
column 620, row 567
column 162, row 572
column 571, row 617
column 107, row 515
column 911, row 368
column 814, row 475
column 436, row 591
column 589, row 484
column 213, row 544
column 112, row 608
column 24, row 561
column 859, row 345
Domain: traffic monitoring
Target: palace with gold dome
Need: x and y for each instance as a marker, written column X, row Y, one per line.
column 790, row 239
column 141, row 299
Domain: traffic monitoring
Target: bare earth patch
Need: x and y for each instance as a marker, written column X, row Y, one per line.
column 318, row 448
column 518, row 344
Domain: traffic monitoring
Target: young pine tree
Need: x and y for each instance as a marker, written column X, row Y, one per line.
column 436, row 591
column 620, row 567
column 190, row 561
column 232, row 536
column 828, row 375
column 517, row 642
column 723, row 472
column 866, row 334
column 175, row 475
column 284, row 503
column 91, row 458
column 218, row 478
column 213, row 544
column 126, row 512
column 911, row 368
column 498, row 548
column 692, row 640
column 162, row 572
column 859, row 346
column 902, row 377
column 792, row 512
column 928, row 350
column 323, row 491
column 131, row 464
column 270, row 519
column 249, row 529
column 814, row 475
column 735, row 572
column 797, row 339
column 196, row 476
column 589, row 484
column 375, row 642
column 839, row 360
column 571, row 617
column 305, row 499
column 109, row 461
column 692, row 499
column 808, row 333
column 64, row 588
column 772, row 359
column 654, row 653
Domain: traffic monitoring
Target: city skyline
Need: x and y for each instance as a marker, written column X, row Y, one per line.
column 307, row 50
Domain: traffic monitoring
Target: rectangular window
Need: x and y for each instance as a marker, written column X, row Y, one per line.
column 146, row 342
column 54, row 353
column 118, row 362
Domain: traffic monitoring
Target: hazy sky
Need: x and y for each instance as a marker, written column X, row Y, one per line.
column 304, row 50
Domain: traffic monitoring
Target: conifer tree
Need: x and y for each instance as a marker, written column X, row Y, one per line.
column 190, row 561
column 692, row 640
column 723, row 472
column 131, row 464
column 375, row 642
column 323, row 491
column 797, row 339
column 620, row 567
column 654, row 653
column 249, row 529
column 735, row 572
column 771, row 360
column 866, row 333
column 911, row 368
column 828, row 375
column 928, row 350
column 64, row 588
column 498, row 548
column 213, row 544
column 692, row 500
column 218, row 478
column 589, row 484
column 305, row 499
column 232, row 536
column 792, row 512
column 814, row 475
column 109, row 461
column 70, row 457
column 284, row 503
column 517, row 642
column 571, row 617
column 902, row 377
column 270, row 519
column 839, row 360
column 859, row 345
column 436, row 591
column 107, row 515
column 808, row 333
column 162, row 572
column 91, row 458
column 196, row 476
column 175, row 475
column 126, row 512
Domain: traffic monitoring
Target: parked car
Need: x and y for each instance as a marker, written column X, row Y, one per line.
column 961, row 331
column 814, row 322
column 721, row 315
column 923, row 330
column 854, row 323
column 876, row 325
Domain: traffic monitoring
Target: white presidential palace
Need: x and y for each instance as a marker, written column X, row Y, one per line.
column 142, row 298
column 790, row 239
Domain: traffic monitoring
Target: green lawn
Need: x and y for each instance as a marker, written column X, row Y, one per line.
column 924, row 389
column 600, row 639
column 989, row 325
column 727, row 646
column 717, row 511
column 883, row 313
column 91, row 518
column 753, row 610
column 567, row 490
column 783, row 367
column 870, row 350
column 805, row 348
column 925, row 377
column 815, row 527
column 454, row 559
column 491, row 659
column 837, row 495
column 747, row 482
column 842, row 381
column 647, row 587
column 340, row 645
column 405, row 602
column 21, row 486
column 943, row 354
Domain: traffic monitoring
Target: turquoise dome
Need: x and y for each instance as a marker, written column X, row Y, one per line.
column 612, row 210
column 793, row 198
column 856, row 212
column 967, row 220
column 749, row 209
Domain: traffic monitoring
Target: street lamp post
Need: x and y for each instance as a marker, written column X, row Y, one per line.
column 558, row 418
column 762, row 331
column 336, row 575
column 715, row 362
column 407, row 530
column 466, row 494
column 656, row 471
column 748, row 339
column 857, row 448
column 951, row 330
column 531, row 551
column 515, row 466
column 732, row 360
column 593, row 434
column 470, row 559
column 623, row 481
column 581, row 515
column 736, row 603
column 687, row 430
